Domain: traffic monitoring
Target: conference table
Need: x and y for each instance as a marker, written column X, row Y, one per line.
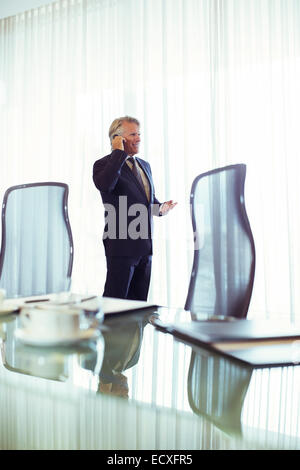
column 133, row 387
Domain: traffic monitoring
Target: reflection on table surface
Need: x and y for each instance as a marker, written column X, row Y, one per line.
column 138, row 388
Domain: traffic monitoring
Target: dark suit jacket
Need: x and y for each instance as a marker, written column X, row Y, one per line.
column 120, row 191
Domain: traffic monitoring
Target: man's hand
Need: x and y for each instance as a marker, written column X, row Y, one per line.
column 118, row 142
column 167, row 206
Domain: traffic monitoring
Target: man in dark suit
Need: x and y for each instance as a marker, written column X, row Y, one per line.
column 127, row 191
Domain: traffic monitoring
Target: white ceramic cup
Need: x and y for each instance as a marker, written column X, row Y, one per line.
column 50, row 322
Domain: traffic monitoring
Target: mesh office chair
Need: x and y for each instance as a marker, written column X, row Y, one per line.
column 224, row 254
column 220, row 286
column 37, row 247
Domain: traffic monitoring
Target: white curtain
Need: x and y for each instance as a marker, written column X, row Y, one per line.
column 213, row 82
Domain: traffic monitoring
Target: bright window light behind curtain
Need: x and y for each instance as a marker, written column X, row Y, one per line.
column 213, row 82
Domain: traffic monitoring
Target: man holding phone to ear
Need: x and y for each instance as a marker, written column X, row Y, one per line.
column 126, row 187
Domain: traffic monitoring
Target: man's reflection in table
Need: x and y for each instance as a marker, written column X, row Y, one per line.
column 123, row 340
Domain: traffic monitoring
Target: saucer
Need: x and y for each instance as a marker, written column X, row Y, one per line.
column 84, row 335
column 7, row 307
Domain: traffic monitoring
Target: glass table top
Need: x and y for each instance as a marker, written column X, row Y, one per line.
column 135, row 387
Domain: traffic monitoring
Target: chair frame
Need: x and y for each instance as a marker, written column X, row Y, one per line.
column 239, row 191
column 65, row 216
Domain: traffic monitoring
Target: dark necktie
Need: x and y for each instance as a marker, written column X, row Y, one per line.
column 136, row 171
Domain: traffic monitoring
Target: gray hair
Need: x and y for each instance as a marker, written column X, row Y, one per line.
column 116, row 125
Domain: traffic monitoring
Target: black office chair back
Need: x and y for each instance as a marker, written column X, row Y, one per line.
column 224, row 254
column 37, row 246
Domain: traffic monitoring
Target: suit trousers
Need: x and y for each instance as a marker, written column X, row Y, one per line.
column 128, row 277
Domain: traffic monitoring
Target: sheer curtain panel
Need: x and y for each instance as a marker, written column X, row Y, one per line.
column 213, row 82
